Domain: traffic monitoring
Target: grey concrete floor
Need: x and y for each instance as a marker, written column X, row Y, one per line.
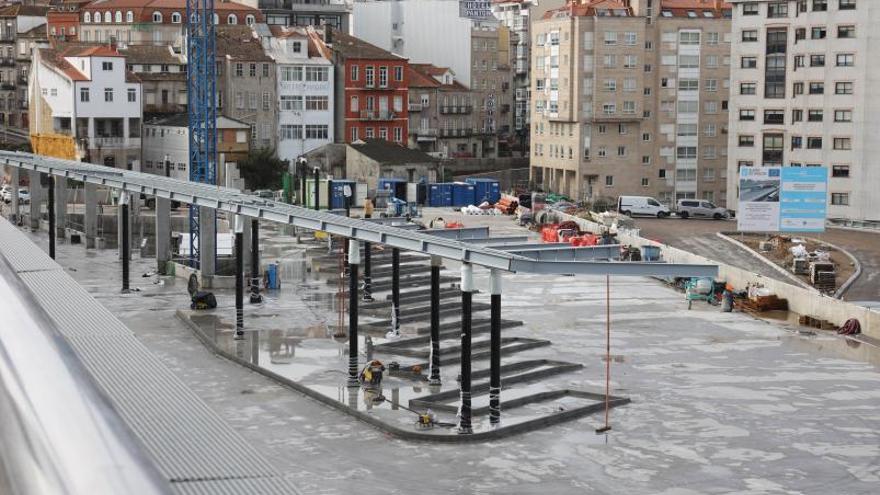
column 722, row 403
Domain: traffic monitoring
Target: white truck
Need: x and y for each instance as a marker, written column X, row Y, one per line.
column 641, row 205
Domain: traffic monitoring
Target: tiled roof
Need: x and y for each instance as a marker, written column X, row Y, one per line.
column 387, row 153
column 150, row 54
column 356, row 48
column 18, row 9
column 239, row 42
column 182, row 120
column 591, row 8
column 283, row 32
column 56, row 59
column 424, row 76
column 683, row 8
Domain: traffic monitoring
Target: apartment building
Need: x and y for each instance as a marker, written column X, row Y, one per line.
column 305, row 92
column 247, row 83
column 151, row 22
column 371, row 88
column 476, row 49
column 630, row 97
column 517, row 15
column 334, row 13
column 807, row 93
column 21, row 27
column 86, row 92
column 441, row 114
column 162, row 72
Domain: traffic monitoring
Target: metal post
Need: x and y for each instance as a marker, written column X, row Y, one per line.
column 395, row 289
column 90, row 215
column 317, row 188
column 255, row 262
column 239, row 277
column 467, row 288
column 354, row 255
column 435, row 321
column 126, row 247
column 51, row 214
column 495, row 346
column 163, row 234
column 14, row 199
column 368, row 283
column 36, row 190
column 60, row 210
column 302, row 182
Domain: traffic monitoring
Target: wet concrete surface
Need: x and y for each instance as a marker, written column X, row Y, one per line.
column 722, row 403
column 698, row 236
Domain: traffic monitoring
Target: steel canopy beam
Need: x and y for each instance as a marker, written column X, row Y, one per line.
column 569, row 253
column 496, row 240
column 460, row 234
column 235, row 202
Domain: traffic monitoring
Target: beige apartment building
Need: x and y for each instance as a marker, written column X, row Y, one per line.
column 630, row 97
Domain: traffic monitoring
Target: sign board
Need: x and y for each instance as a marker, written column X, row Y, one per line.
column 782, row 199
column 479, row 10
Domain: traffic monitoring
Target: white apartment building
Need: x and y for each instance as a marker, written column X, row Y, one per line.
column 86, row 93
column 806, row 92
column 305, row 92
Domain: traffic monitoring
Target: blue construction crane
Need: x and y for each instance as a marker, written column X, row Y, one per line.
column 201, row 84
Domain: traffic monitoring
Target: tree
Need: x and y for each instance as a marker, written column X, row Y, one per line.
column 262, row 170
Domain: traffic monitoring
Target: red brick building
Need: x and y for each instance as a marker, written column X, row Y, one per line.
column 371, row 88
column 63, row 20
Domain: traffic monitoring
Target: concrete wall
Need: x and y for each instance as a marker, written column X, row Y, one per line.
column 801, row 301
column 480, row 165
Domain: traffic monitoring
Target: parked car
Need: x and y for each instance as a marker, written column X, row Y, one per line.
column 697, row 208
column 6, row 193
column 24, row 196
column 641, row 205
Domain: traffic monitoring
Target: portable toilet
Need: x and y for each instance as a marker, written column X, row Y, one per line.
column 440, row 194
column 337, row 194
column 395, row 185
column 485, row 189
column 462, row 194
column 323, row 194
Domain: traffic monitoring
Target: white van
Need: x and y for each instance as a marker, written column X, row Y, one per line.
column 641, row 205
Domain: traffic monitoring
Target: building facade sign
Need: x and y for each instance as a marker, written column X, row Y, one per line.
column 479, row 10
column 782, row 199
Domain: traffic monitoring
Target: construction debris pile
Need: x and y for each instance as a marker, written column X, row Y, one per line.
column 806, row 258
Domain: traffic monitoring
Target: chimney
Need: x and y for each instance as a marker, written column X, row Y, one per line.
column 328, row 34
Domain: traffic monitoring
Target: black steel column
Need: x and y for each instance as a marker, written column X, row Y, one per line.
column 495, row 347
column 395, row 288
column 354, row 255
column 435, row 321
column 368, row 282
column 302, row 186
column 239, row 278
column 51, row 208
column 126, row 247
column 255, row 262
column 467, row 288
column 317, row 188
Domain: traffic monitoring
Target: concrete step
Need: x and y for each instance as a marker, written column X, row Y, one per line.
column 413, row 297
column 385, row 273
column 424, row 314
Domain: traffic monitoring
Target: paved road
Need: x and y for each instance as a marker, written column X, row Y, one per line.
column 698, row 236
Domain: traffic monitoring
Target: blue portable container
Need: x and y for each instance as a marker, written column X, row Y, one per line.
column 395, row 185
column 485, row 189
column 440, row 194
column 463, row 194
column 273, row 280
column 337, row 195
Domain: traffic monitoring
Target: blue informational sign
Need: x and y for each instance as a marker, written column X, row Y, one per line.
column 782, row 199
column 803, row 199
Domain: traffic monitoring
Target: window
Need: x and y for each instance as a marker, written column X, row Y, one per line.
column 239, row 100
column 712, row 61
column 843, row 115
column 609, row 61
column 687, row 130
column 383, row 77
column 231, row 19
column 840, row 199
column 800, row 34
column 817, row 60
column 749, row 35
column 846, row 31
column 776, row 10
column 688, row 85
column 797, row 142
column 609, row 181
column 129, row 16
column 817, row 88
column 689, row 38
column 266, row 101
column 842, row 143
column 630, row 61
column 316, row 131
column 750, row 8
column 798, row 61
column 369, row 76
column 818, row 33
column 106, row 65
column 774, row 116
column 746, row 141
column 157, row 17
column 814, row 115
column 621, row 151
column 289, row 132
column 797, row 115
column 84, row 95
column 840, row 171
column 748, row 88
column 843, row 88
column 711, row 130
column 108, row 94
column 175, row 18
column 685, row 106
column 354, row 72
column 629, row 107
column 820, row 5
column 609, row 85
column 814, row 143
column 712, row 38
column 846, row 4
column 87, row 18
column 747, row 115
column 317, row 74
column 398, row 73
column 132, row 95
column 688, row 61
column 316, row 103
column 610, row 38
column 845, row 59
column 250, row 20
column 609, row 108
column 773, row 149
column 686, row 152
column 252, row 70
column 239, row 70
column 749, row 62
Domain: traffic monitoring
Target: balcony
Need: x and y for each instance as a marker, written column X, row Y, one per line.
column 448, row 109
column 303, row 5
column 7, row 85
column 426, row 134
column 414, row 107
column 7, row 62
column 377, row 115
